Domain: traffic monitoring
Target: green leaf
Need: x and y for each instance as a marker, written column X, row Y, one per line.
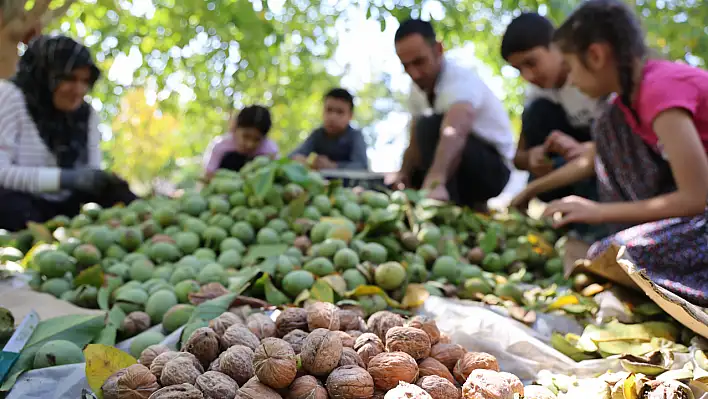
column 212, row 308
column 489, row 242
column 337, row 283
column 321, row 291
column 242, row 280
column 259, row 252
column 274, row 296
column 104, row 293
column 79, row 329
column 262, row 181
column 302, row 297
column 296, row 207
column 115, row 317
column 92, row 276
column 107, row 336
column 296, row 173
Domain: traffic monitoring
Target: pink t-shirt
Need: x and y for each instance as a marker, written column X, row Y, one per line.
column 219, row 146
column 667, row 85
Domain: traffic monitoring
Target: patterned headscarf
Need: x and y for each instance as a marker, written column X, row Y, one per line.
column 48, row 61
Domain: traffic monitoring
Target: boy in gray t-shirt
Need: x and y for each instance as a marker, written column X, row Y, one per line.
column 336, row 143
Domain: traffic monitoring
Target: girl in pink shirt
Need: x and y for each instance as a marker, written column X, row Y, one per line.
column 650, row 148
column 246, row 139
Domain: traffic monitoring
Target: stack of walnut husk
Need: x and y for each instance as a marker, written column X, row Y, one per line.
column 317, row 352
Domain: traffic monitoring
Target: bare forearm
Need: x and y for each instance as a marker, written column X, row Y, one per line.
column 666, row 206
column 577, row 170
column 447, row 157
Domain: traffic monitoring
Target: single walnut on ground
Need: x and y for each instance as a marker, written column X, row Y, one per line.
column 350, row 358
column 135, row 323
column 215, row 385
column 413, row 341
column 431, row 366
column 472, row 361
column 136, row 382
column 204, row 344
column 110, row 386
column 322, row 315
column 350, row 320
column 307, row 387
column 486, row 384
column 150, row 353
column 180, row 370
column 261, row 325
column 295, row 338
column 239, row 334
column 237, row 363
column 254, row 389
column 223, row 322
column 347, row 340
column 181, row 391
column 407, row 391
column 368, row 345
column 291, row 319
column 321, row 352
column 515, row 383
column 428, row 325
column 447, row 354
column 274, row 363
column 380, row 322
column 438, row 387
column 158, row 364
column 388, row 368
column 350, row 382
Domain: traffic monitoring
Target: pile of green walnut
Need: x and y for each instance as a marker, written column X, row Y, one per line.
column 287, row 235
column 319, row 351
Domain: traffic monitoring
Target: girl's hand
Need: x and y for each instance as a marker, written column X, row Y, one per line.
column 18, row 25
column 575, row 209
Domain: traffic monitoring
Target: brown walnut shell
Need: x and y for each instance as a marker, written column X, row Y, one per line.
column 274, row 363
column 110, row 386
column 380, row 322
column 430, row 366
column 447, row 354
column 355, row 333
column 350, row 358
column 223, row 322
column 204, row 344
column 428, row 325
column 254, row 389
column 439, row 387
column 322, row 315
column 137, row 383
column 237, row 363
column 180, row 370
column 515, row 383
column 215, row 385
column 321, row 352
column 261, row 325
column 291, row 319
column 295, row 338
column 216, row 364
column 347, row 340
column 388, row 368
column 135, row 323
column 158, row 364
column 350, row 320
column 413, row 341
column 368, row 345
column 181, row 391
column 307, row 387
column 350, row 382
column 445, row 339
column 239, row 334
column 484, row 383
column 151, row 352
column 407, row 391
column 472, row 361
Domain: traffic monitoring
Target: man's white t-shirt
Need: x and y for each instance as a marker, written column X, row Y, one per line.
column 457, row 84
column 580, row 109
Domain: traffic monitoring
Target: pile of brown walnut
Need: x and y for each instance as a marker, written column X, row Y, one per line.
column 317, row 352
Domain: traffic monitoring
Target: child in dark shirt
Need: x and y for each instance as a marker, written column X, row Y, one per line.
column 336, row 143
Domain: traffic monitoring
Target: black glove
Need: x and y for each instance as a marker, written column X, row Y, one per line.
column 91, row 181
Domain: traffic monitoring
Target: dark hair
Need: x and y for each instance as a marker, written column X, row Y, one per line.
column 416, row 27
column 255, row 116
column 525, row 32
column 341, row 94
column 606, row 21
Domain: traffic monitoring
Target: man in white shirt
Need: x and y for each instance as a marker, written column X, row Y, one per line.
column 461, row 144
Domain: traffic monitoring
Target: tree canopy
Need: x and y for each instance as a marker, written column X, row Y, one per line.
column 198, row 60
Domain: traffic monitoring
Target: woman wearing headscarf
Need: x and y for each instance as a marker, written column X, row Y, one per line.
column 49, row 139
